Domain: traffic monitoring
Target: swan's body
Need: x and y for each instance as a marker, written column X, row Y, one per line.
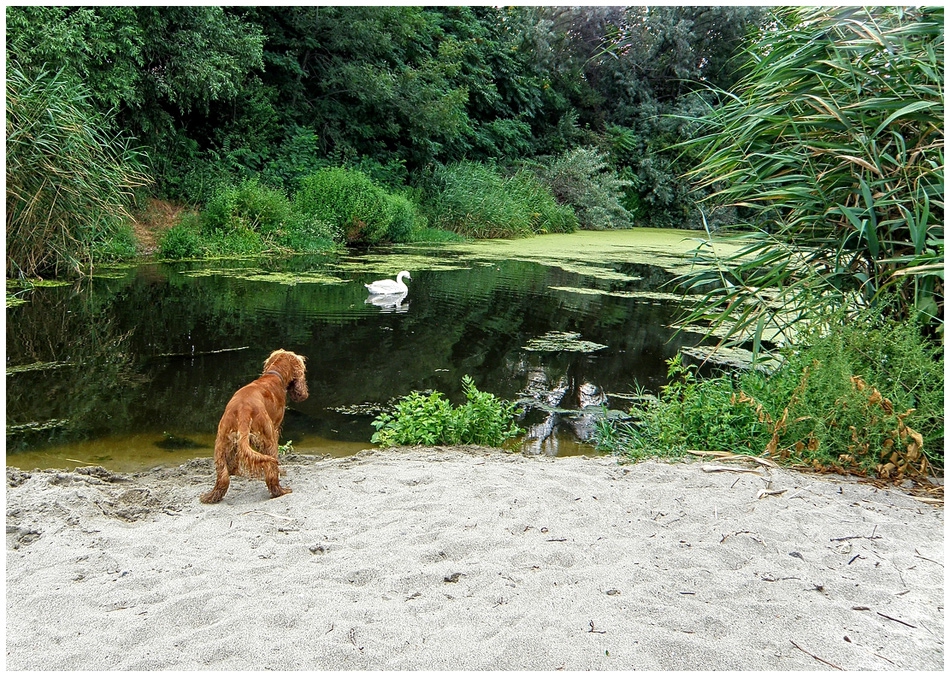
column 396, row 286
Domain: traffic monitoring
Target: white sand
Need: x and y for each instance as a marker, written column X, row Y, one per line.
column 454, row 559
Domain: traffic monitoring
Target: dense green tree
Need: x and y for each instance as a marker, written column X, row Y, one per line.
column 228, row 94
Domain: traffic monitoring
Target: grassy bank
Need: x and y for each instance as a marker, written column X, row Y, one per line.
column 865, row 397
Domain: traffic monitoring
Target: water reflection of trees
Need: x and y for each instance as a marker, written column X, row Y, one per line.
column 73, row 374
column 195, row 339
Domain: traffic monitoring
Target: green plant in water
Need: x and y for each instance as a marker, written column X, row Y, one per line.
column 431, row 419
column 833, row 144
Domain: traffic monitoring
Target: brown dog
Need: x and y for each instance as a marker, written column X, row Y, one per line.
column 250, row 427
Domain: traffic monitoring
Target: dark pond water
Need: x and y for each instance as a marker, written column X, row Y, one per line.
column 134, row 369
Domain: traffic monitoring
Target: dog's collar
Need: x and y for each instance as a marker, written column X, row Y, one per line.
column 275, row 373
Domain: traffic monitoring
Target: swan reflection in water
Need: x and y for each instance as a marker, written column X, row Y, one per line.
column 389, row 303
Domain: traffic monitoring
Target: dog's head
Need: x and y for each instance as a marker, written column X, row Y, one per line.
column 293, row 370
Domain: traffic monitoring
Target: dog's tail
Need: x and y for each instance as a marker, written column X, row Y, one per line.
column 248, row 461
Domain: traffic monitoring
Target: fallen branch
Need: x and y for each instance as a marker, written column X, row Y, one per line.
column 269, row 514
column 203, row 352
column 817, row 658
column 917, row 554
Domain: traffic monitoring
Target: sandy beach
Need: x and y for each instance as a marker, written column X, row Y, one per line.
column 448, row 559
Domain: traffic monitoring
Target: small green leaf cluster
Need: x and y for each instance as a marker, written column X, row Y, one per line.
column 431, row 419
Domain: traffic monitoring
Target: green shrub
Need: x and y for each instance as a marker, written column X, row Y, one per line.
column 476, row 200
column 235, row 243
column 181, row 241
column 431, row 419
column 350, row 202
column 247, row 206
column 120, row 245
column 854, row 393
column 689, row 414
column 582, row 179
column 307, row 234
column 865, row 397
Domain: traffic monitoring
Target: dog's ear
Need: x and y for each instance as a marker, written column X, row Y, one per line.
column 297, row 389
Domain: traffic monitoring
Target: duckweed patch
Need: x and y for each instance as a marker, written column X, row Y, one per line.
column 562, row 341
column 276, row 277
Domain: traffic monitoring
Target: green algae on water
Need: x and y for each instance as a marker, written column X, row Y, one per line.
column 566, row 341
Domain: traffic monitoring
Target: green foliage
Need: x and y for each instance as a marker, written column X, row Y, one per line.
column 117, row 246
column 222, row 95
column 297, row 156
column 834, row 144
column 430, row 419
column 247, row 206
column 690, row 414
column 69, row 178
column 181, row 241
column 582, row 179
column 851, row 400
column 476, row 200
column 247, row 219
column 351, row 203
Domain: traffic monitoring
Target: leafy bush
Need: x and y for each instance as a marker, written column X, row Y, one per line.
column 350, row 202
column 247, row 206
column 582, row 179
column 117, row 246
column 307, row 234
column 864, row 398
column 689, row 414
column 431, row 419
column 181, row 241
column 478, row 201
column 297, row 156
column 249, row 218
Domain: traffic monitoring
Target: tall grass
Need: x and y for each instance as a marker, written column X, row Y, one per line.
column 833, row 143
column 354, row 205
column 476, row 200
column 69, row 179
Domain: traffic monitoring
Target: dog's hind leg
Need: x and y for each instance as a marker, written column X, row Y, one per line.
column 273, row 482
column 220, row 488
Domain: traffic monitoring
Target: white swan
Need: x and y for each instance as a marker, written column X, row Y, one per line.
column 390, row 286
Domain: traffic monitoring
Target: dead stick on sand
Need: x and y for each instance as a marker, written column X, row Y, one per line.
column 927, row 558
column 269, row 514
column 897, row 620
column 722, row 468
column 817, row 658
column 729, row 456
column 774, row 492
